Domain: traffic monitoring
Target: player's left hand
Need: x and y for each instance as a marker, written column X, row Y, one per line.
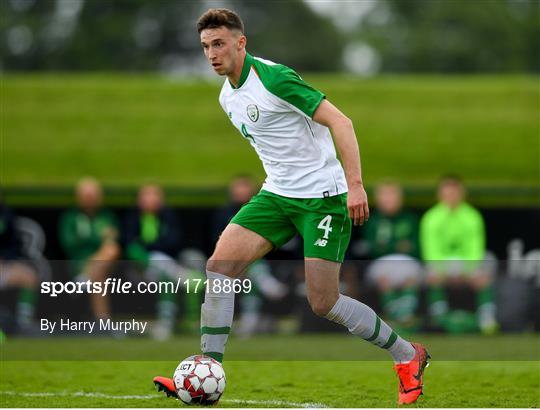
column 357, row 204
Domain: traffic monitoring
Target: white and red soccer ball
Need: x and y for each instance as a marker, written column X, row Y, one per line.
column 199, row 380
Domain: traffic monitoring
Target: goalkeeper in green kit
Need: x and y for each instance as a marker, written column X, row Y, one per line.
column 293, row 129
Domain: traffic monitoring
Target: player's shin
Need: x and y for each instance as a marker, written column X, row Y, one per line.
column 362, row 321
column 216, row 316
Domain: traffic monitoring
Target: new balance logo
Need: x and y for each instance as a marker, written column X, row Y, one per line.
column 321, row 242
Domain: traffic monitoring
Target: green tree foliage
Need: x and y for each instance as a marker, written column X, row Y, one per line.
column 455, row 35
column 290, row 33
column 137, row 35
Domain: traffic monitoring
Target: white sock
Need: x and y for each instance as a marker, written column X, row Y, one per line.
column 362, row 321
column 216, row 316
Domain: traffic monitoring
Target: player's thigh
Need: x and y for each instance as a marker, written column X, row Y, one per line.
column 236, row 249
column 322, row 284
column 259, row 226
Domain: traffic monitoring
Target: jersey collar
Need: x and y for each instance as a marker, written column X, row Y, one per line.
column 248, row 61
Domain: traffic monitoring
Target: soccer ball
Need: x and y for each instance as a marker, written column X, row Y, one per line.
column 199, row 380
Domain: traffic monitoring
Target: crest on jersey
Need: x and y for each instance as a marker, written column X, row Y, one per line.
column 253, row 112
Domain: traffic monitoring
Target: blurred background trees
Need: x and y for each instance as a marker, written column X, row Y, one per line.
column 161, row 35
column 455, row 35
column 363, row 37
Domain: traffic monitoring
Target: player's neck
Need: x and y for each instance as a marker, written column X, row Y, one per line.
column 234, row 77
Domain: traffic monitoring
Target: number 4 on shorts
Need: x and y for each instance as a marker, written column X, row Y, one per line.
column 325, row 226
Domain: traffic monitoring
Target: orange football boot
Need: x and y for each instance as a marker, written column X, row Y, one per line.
column 165, row 384
column 411, row 375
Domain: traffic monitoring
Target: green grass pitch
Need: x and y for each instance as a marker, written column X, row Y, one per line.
column 510, row 379
column 126, row 129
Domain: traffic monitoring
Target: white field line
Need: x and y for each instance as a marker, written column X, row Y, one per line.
column 279, row 403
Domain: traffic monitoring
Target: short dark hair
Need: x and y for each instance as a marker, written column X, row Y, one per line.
column 215, row 18
column 453, row 179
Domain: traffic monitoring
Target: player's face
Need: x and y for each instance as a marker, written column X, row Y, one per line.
column 221, row 47
column 150, row 199
column 451, row 193
column 389, row 199
column 89, row 196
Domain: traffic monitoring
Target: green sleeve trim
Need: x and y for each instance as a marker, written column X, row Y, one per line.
column 286, row 84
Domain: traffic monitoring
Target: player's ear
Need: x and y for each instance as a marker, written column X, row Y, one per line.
column 242, row 42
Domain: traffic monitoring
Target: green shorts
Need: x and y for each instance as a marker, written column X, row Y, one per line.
column 324, row 223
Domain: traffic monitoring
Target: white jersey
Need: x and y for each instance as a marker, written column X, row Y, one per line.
column 272, row 107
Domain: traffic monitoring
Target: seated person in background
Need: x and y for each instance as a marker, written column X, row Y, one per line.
column 14, row 272
column 151, row 236
column 391, row 240
column 89, row 238
column 453, row 245
column 241, row 190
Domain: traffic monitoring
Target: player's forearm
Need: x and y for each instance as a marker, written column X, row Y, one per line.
column 347, row 145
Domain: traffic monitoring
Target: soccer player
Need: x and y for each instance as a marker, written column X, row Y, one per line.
column 290, row 125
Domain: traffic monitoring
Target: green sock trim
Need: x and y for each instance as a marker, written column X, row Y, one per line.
column 215, row 355
column 391, row 340
column 376, row 332
column 205, row 330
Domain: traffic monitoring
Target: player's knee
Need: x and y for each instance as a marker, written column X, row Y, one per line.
column 321, row 305
column 227, row 268
column 211, row 264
